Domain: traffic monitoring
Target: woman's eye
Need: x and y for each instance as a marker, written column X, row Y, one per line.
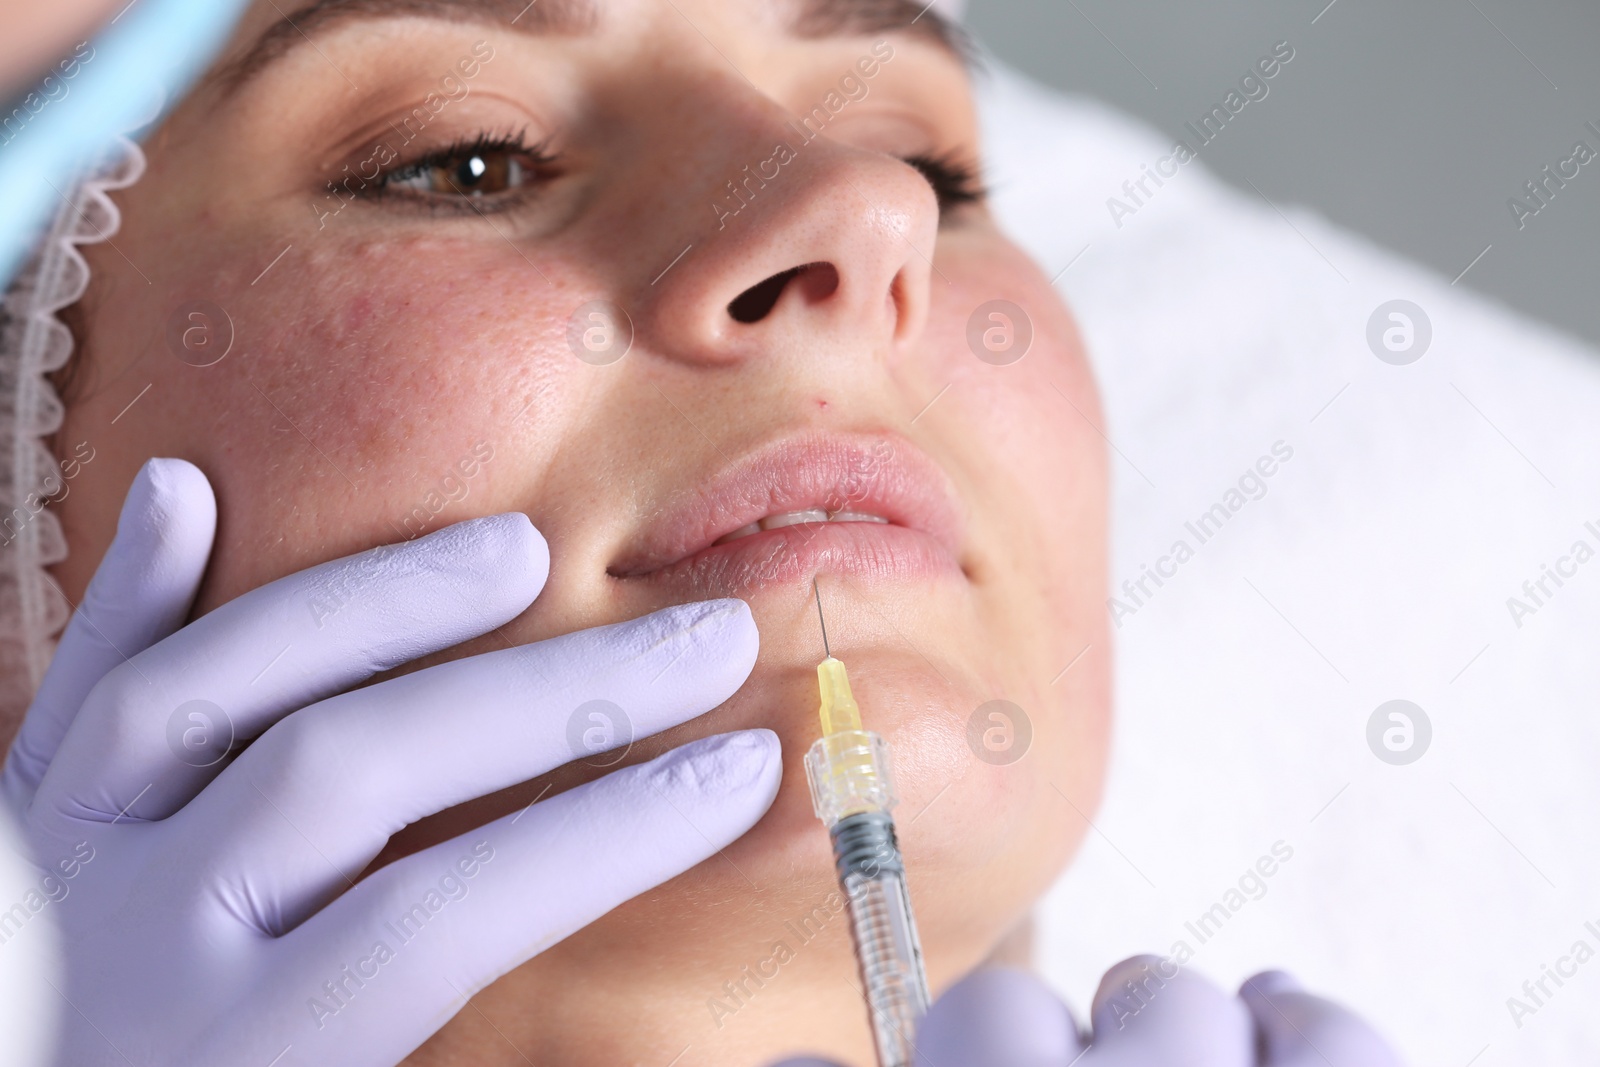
column 478, row 170
column 475, row 175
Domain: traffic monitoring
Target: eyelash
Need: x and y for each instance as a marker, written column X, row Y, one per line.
column 954, row 183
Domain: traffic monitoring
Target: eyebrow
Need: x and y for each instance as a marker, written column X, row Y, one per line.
column 809, row 19
column 862, row 18
column 554, row 17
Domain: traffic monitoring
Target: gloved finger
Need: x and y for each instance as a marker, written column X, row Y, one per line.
column 1149, row 1010
column 140, row 593
column 998, row 1017
column 430, row 930
column 1300, row 1030
column 230, row 674
column 315, row 799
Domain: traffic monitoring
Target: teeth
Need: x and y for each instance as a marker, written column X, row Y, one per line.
column 795, row 518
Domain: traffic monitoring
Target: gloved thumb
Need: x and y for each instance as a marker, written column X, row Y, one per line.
column 1297, row 1029
column 994, row 1017
column 141, row 593
column 998, row 1017
column 1149, row 1010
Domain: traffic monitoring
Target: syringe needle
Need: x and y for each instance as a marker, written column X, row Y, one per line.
column 820, row 619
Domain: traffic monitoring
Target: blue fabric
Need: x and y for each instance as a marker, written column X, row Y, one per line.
column 152, row 52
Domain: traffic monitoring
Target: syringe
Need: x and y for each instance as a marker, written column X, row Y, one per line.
column 851, row 791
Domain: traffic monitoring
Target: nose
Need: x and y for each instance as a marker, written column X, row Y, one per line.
column 806, row 243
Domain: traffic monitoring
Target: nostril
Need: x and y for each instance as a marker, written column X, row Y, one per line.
column 757, row 302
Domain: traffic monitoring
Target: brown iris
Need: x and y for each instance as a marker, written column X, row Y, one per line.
column 475, row 174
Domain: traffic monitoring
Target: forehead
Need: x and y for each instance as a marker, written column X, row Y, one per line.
column 279, row 27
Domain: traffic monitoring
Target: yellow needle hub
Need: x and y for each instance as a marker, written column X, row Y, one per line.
column 839, row 710
column 848, row 768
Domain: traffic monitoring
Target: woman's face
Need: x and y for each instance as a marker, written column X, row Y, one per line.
column 420, row 219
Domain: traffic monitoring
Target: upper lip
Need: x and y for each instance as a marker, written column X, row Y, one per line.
column 878, row 474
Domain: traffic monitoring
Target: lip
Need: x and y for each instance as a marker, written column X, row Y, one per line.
column 881, row 475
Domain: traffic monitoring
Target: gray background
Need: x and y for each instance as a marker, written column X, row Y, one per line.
column 1412, row 122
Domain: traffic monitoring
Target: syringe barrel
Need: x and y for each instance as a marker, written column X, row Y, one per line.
column 873, row 878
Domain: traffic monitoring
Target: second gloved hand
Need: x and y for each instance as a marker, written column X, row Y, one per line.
column 211, row 913
column 1147, row 1013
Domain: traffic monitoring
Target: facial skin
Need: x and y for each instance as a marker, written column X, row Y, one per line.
column 37, row 33
column 401, row 335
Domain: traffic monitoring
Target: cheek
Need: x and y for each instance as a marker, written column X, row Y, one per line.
column 1027, row 441
column 360, row 380
column 1011, row 353
column 1027, row 438
column 388, row 345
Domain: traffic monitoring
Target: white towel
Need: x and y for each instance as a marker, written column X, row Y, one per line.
column 1376, row 565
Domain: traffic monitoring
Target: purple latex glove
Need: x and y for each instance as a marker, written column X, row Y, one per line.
column 1144, row 1016
column 210, row 916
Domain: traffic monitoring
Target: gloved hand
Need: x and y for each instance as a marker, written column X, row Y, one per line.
column 1147, row 1013
column 211, row 915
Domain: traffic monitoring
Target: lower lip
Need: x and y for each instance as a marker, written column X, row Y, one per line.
column 873, row 552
